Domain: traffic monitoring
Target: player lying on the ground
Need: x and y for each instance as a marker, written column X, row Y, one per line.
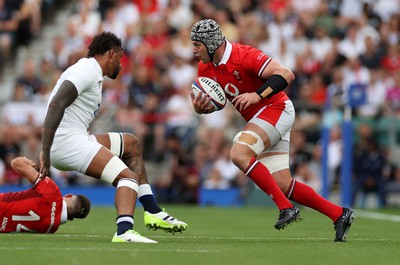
column 41, row 208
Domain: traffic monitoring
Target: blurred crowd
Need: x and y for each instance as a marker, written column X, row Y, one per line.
column 20, row 22
column 331, row 46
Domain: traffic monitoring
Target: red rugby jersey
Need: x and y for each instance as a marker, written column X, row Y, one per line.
column 37, row 209
column 241, row 73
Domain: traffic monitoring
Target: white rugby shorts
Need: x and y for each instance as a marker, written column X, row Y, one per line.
column 277, row 121
column 73, row 151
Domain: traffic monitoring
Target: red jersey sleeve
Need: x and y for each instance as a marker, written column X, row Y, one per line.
column 254, row 60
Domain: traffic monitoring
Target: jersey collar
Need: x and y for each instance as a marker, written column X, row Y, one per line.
column 227, row 53
column 64, row 214
column 97, row 65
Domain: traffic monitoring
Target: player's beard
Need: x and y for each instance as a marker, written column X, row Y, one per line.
column 116, row 72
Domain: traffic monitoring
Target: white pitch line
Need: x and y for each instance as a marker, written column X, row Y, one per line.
column 115, row 249
column 235, row 239
column 378, row 216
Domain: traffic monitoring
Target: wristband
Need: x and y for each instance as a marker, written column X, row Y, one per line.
column 274, row 84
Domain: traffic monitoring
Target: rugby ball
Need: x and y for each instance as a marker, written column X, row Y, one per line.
column 210, row 87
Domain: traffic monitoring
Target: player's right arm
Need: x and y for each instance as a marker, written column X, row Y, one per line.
column 201, row 104
column 25, row 168
column 66, row 94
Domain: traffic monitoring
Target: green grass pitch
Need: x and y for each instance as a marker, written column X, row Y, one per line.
column 215, row 236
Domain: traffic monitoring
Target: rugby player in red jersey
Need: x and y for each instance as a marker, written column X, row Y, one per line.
column 41, row 208
column 254, row 84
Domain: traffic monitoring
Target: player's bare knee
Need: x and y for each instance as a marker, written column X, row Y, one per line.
column 132, row 145
column 239, row 156
column 125, row 174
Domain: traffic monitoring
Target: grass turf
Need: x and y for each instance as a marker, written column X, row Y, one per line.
column 215, row 236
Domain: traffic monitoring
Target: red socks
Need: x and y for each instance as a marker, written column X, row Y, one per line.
column 305, row 195
column 264, row 180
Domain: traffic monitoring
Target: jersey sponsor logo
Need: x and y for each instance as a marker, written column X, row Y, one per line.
column 231, row 90
column 52, row 216
column 4, row 224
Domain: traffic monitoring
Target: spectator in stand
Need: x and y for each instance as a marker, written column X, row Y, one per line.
column 386, row 9
column 10, row 148
column 319, row 90
column 127, row 12
column 112, row 23
column 321, row 44
column 351, row 46
column 86, row 19
column 224, row 174
column 373, row 54
column 369, row 168
column 335, row 155
column 29, row 20
column 227, row 26
column 180, row 46
column 8, row 29
column 181, row 120
column 281, row 29
column 325, row 19
column 29, row 81
column 393, row 95
column 59, row 53
column 298, row 44
column 391, row 61
column 307, row 63
column 73, row 42
column 181, row 182
column 179, row 15
column 376, row 91
column 182, row 69
column 354, row 74
column 349, row 10
column 315, row 168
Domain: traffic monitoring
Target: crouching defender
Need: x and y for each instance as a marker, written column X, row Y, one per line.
column 115, row 157
column 41, row 208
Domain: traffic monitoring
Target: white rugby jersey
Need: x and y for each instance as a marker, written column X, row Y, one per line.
column 87, row 77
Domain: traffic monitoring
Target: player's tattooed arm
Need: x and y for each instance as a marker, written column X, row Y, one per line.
column 64, row 97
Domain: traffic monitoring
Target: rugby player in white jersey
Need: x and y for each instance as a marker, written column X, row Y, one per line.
column 113, row 157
